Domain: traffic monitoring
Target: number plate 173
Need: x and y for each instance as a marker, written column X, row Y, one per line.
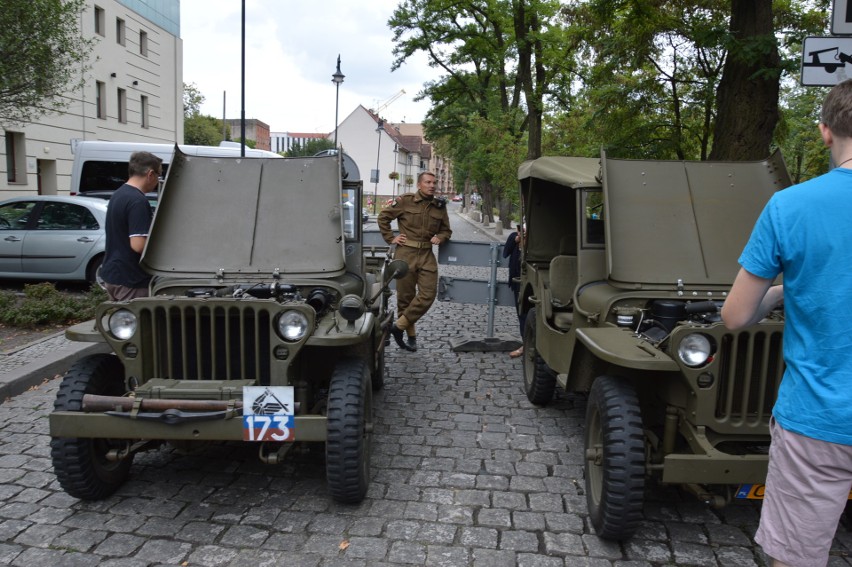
column 268, row 413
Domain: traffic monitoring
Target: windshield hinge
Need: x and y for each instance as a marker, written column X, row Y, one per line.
column 220, row 274
column 276, row 274
column 679, row 286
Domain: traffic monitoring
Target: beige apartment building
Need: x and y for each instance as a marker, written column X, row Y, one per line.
column 133, row 93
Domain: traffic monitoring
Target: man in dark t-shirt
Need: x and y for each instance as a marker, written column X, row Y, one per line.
column 127, row 222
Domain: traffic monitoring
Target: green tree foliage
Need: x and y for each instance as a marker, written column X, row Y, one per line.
column 249, row 143
column 202, row 130
column 498, row 58
column 310, row 147
column 43, row 57
column 666, row 79
column 198, row 129
column 652, row 75
column 192, row 100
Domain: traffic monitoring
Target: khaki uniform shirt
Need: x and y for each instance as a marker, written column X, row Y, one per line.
column 419, row 219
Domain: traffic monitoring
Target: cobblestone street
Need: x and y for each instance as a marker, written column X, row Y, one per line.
column 466, row 472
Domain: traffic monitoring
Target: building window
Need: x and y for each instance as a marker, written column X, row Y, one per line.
column 144, row 111
column 100, row 21
column 100, row 99
column 122, row 106
column 119, row 31
column 16, row 155
column 143, row 43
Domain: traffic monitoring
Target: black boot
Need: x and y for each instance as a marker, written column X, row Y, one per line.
column 412, row 343
column 397, row 336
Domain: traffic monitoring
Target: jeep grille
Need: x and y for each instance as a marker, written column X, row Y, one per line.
column 752, row 364
column 192, row 342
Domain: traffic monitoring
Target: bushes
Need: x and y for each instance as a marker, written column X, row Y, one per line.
column 43, row 304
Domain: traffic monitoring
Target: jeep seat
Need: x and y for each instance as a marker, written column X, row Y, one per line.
column 558, row 305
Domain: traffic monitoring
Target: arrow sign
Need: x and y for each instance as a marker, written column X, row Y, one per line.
column 826, row 61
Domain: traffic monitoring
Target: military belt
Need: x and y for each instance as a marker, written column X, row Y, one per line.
column 413, row 244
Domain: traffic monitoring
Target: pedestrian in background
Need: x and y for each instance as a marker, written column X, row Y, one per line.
column 128, row 220
column 810, row 456
column 512, row 251
column 423, row 222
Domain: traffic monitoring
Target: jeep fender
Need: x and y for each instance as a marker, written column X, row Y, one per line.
column 620, row 347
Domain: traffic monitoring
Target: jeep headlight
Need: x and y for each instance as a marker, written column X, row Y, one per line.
column 695, row 349
column 292, row 325
column 122, row 324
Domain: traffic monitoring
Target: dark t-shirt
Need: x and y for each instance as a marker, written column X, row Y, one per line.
column 128, row 214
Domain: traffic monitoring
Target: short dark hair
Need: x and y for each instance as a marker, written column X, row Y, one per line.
column 422, row 173
column 837, row 109
column 142, row 162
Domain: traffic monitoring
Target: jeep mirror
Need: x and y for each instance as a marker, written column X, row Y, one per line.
column 397, row 269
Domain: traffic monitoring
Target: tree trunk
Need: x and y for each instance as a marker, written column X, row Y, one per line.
column 747, row 96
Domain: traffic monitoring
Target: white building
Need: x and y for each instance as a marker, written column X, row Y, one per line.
column 383, row 148
column 133, row 92
column 281, row 142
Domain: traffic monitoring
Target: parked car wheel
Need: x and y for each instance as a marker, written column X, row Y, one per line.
column 349, row 442
column 81, row 464
column 615, row 458
column 93, row 271
column 539, row 378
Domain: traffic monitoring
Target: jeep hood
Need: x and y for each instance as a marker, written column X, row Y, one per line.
column 670, row 220
column 238, row 217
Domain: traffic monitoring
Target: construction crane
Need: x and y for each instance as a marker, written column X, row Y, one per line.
column 389, row 101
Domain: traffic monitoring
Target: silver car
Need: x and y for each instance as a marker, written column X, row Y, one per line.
column 52, row 237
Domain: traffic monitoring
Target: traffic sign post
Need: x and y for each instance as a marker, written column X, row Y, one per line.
column 826, row 61
column 841, row 17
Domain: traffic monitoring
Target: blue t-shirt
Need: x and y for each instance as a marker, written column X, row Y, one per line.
column 806, row 233
column 128, row 214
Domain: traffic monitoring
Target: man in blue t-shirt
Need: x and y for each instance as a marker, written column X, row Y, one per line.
column 127, row 222
column 805, row 234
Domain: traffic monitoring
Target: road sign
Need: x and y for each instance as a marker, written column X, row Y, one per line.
column 826, row 61
column 841, row 17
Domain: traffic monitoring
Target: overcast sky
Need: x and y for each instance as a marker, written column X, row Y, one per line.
column 291, row 54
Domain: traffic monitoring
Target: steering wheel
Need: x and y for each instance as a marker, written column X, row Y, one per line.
column 4, row 224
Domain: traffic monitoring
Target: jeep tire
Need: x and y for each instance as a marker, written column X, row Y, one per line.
column 81, row 464
column 350, row 422
column 615, row 458
column 539, row 379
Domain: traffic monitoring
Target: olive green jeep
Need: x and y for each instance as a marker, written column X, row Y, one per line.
column 266, row 324
column 625, row 266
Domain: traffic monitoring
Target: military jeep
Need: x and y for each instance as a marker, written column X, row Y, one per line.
column 266, row 324
column 625, row 267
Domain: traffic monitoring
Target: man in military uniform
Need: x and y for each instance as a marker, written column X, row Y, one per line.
column 423, row 222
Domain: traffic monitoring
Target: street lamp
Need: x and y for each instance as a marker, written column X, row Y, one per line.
column 379, row 129
column 337, row 78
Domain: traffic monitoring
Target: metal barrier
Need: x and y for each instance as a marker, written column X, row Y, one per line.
column 465, row 290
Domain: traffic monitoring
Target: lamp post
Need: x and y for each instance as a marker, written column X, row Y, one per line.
column 337, row 78
column 379, row 129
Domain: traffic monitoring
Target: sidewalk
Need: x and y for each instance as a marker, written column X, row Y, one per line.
column 39, row 361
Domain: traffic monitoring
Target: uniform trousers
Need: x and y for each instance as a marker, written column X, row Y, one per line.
column 416, row 291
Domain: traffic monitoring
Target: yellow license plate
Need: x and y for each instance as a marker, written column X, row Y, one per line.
column 755, row 492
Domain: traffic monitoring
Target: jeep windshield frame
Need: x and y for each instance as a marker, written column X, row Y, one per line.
column 238, row 217
column 670, row 221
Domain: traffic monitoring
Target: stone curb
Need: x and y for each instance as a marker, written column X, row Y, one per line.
column 45, row 367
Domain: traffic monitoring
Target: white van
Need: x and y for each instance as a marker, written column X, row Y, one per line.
column 102, row 166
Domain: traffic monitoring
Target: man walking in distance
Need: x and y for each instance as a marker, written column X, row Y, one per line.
column 127, row 222
column 423, row 222
column 804, row 232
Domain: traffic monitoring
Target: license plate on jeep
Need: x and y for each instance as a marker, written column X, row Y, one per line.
column 755, row 492
column 268, row 413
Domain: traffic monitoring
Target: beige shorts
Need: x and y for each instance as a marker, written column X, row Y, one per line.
column 806, row 491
